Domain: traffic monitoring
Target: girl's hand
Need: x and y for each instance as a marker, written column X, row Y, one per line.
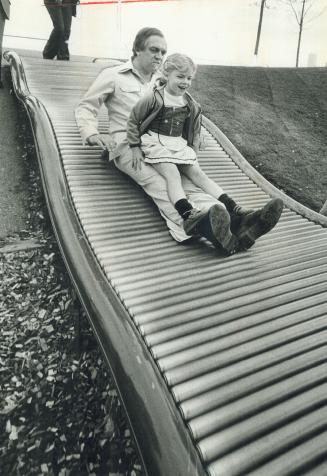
column 137, row 158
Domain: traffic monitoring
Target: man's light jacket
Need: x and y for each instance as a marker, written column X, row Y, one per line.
column 118, row 88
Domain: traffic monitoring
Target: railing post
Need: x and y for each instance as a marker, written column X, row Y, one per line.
column 323, row 211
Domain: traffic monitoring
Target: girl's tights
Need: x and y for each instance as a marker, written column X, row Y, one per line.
column 171, row 174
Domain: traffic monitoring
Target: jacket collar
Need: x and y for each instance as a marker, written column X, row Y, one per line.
column 125, row 67
column 128, row 66
column 159, row 91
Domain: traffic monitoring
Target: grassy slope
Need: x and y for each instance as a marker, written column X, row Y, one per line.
column 277, row 118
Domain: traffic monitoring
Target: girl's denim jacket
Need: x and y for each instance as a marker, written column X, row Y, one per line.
column 148, row 107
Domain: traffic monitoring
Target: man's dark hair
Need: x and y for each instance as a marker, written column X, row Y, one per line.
column 142, row 36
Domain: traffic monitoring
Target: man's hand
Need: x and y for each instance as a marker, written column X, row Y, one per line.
column 106, row 142
column 137, row 158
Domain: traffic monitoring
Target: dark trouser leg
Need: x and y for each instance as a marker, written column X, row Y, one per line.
column 56, row 37
column 2, row 26
column 63, row 52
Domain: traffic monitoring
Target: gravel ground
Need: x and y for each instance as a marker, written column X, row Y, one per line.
column 50, row 362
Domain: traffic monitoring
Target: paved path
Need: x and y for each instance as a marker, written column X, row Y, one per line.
column 13, row 189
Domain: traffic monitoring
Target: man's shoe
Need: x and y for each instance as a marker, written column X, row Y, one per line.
column 258, row 223
column 192, row 221
column 215, row 226
column 237, row 217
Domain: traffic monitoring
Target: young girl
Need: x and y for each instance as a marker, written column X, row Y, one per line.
column 164, row 131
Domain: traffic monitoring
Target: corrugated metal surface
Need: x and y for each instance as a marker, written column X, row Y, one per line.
column 241, row 342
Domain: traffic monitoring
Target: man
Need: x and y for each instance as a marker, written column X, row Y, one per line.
column 61, row 13
column 4, row 15
column 119, row 88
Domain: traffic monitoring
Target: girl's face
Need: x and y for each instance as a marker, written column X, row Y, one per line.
column 178, row 82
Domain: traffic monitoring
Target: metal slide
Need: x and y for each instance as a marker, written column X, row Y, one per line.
column 221, row 363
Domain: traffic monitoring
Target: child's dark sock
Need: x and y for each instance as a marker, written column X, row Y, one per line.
column 183, row 207
column 236, row 211
column 229, row 203
column 232, row 206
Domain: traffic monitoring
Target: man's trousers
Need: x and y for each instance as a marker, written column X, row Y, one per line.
column 57, row 44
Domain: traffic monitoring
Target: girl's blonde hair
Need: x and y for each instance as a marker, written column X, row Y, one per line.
column 179, row 62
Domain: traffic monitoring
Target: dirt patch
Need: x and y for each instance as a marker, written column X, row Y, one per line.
column 13, row 169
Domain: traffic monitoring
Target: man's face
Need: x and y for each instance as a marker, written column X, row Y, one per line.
column 151, row 57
